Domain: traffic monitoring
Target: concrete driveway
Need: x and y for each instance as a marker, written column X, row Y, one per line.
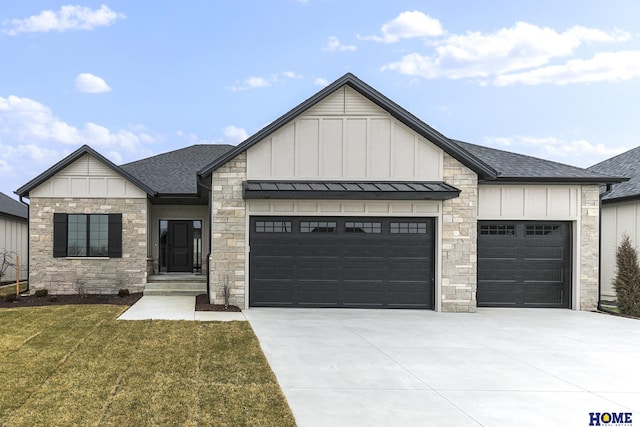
column 497, row 367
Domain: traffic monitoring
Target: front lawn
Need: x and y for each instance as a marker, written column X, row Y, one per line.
column 77, row 365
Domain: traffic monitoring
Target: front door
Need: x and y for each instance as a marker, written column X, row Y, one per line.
column 180, row 251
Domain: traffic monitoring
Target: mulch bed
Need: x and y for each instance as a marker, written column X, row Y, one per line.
column 202, row 304
column 33, row 301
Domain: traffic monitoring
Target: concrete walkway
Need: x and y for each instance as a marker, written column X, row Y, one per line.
column 497, row 367
column 174, row 308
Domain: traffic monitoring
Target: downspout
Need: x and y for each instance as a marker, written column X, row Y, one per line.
column 609, row 187
column 28, row 237
column 210, row 234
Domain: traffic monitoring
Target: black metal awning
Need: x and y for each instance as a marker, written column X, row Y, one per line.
column 349, row 190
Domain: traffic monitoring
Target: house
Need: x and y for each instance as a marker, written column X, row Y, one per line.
column 13, row 235
column 347, row 200
column 620, row 213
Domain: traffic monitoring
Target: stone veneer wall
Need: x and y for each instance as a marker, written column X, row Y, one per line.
column 227, row 262
column 87, row 275
column 459, row 239
column 589, row 246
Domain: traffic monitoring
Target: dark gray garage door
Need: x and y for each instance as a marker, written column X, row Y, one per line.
column 524, row 264
column 341, row 262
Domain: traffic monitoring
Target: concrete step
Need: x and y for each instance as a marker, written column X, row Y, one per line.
column 175, row 288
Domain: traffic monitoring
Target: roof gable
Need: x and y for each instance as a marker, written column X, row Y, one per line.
column 72, row 158
column 384, row 103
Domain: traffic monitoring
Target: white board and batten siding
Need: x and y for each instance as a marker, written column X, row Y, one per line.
column 89, row 178
column 617, row 219
column 13, row 238
column 345, row 137
column 529, row 202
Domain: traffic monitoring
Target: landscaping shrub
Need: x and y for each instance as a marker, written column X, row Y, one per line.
column 627, row 280
column 123, row 292
column 41, row 293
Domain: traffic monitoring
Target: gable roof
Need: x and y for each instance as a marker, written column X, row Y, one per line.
column 396, row 111
column 513, row 167
column 174, row 172
column 85, row 149
column 11, row 207
column 625, row 164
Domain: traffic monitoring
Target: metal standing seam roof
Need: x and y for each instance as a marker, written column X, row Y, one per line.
column 625, row 164
column 12, row 207
column 358, row 190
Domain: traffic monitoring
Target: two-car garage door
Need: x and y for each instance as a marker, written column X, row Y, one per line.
column 341, row 262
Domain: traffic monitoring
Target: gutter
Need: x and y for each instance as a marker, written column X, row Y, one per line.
column 608, row 190
column 210, row 233
column 28, row 238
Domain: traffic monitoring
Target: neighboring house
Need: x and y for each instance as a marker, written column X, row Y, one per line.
column 620, row 213
column 13, row 235
column 347, row 200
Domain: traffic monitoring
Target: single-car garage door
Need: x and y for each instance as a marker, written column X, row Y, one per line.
column 341, row 262
column 524, row 264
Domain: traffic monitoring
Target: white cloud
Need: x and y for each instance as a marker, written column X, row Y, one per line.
column 484, row 56
column 606, row 66
column 89, row 83
column 235, row 135
column 258, row 82
column 67, row 18
column 321, row 81
column 334, row 45
column 407, row 25
column 36, row 133
column 579, row 152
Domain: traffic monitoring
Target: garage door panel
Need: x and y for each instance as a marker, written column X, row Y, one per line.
column 528, row 265
column 336, row 266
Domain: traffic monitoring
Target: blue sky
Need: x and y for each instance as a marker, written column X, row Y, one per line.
column 554, row 79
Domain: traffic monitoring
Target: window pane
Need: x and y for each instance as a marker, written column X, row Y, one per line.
column 317, row 227
column 273, row 226
column 99, row 235
column 76, row 235
column 408, row 228
column 362, row 227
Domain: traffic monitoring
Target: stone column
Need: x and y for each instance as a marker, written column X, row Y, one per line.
column 589, row 246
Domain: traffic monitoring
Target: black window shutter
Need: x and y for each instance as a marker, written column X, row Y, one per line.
column 59, row 235
column 115, row 235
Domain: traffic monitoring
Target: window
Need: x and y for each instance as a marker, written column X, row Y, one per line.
column 318, row 227
column 408, row 228
column 273, row 226
column 362, row 227
column 498, row 230
column 87, row 235
column 542, row 230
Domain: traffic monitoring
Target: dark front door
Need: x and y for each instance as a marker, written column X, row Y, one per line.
column 341, row 262
column 180, row 253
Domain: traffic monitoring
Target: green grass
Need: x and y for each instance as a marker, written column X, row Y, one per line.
column 77, row 365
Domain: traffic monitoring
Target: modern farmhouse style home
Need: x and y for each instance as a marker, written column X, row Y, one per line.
column 347, row 200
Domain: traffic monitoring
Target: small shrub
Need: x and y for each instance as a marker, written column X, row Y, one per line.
column 41, row 293
column 627, row 280
column 123, row 293
column 11, row 297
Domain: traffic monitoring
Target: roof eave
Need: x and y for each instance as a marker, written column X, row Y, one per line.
column 554, row 180
column 475, row 164
column 85, row 149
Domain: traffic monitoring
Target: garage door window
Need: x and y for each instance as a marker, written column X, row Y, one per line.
column 317, row 227
column 408, row 228
column 273, row 226
column 542, row 230
column 363, row 227
column 498, row 230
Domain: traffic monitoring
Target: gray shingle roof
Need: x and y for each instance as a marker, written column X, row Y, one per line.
column 175, row 172
column 519, row 167
column 9, row 206
column 626, row 164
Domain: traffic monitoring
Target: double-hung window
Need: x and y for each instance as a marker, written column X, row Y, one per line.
column 87, row 235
